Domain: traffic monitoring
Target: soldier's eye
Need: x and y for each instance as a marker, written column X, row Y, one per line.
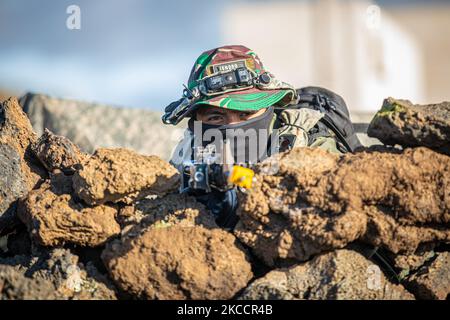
column 215, row 118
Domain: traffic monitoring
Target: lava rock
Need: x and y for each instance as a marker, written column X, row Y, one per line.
column 20, row 171
column 15, row 286
column 178, row 263
column 121, row 175
column 55, row 218
column 12, row 181
column 52, row 274
column 432, row 281
column 170, row 210
column 16, row 131
column 411, row 125
column 339, row 275
column 317, row 201
column 57, row 152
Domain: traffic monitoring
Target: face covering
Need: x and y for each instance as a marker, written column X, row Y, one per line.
column 248, row 140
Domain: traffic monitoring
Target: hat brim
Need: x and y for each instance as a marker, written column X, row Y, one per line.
column 249, row 100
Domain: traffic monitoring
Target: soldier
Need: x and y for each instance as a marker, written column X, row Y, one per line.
column 231, row 92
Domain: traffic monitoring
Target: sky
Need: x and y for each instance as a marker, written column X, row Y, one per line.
column 134, row 53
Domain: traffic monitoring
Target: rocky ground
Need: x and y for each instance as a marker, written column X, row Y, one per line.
column 110, row 225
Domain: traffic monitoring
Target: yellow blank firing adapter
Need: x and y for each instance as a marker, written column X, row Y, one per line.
column 242, row 177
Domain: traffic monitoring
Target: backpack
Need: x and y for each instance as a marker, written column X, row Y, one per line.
column 336, row 116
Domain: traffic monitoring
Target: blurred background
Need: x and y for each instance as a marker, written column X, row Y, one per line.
column 137, row 54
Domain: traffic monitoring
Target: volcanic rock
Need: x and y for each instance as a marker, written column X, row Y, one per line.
column 54, row 218
column 172, row 209
column 178, row 263
column 121, row 175
column 57, row 152
column 12, row 182
column 20, row 171
column 408, row 263
column 317, row 201
column 16, row 131
column 339, row 275
column 411, row 125
column 433, row 281
column 54, row 274
column 15, row 286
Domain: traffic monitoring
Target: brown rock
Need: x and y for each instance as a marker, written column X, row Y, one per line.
column 384, row 230
column 54, row 218
column 433, row 281
column 413, row 185
column 178, row 263
column 413, row 261
column 54, row 274
column 12, row 181
column 57, row 152
column 19, row 170
column 412, row 125
column 71, row 279
column 15, row 286
column 318, row 201
column 121, row 175
column 172, row 209
column 17, row 132
column 339, row 275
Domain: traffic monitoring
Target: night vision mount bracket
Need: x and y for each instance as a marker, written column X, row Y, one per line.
column 213, row 85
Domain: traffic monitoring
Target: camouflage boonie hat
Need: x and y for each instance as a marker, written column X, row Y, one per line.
column 228, row 58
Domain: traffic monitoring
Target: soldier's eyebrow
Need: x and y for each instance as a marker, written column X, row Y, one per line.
column 211, row 111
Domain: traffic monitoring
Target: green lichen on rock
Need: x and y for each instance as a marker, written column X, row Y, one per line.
column 161, row 224
column 390, row 107
column 411, row 125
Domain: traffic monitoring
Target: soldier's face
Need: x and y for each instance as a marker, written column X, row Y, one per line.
column 220, row 116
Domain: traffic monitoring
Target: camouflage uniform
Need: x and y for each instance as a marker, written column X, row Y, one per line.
column 265, row 90
column 301, row 122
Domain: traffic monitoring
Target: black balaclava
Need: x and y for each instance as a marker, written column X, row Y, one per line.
column 237, row 132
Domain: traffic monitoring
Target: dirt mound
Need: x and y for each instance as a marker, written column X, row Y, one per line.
column 411, row 125
column 318, row 202
column 326, row 277
column 179, row 263
column 121, row 175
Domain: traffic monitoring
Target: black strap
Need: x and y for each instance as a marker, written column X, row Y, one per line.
column 329, row 123
column 323, row 104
